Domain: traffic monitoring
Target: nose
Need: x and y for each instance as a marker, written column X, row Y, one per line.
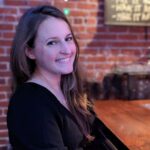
column 65, row 48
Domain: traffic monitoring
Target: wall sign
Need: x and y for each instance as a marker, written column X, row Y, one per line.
column 127, row 12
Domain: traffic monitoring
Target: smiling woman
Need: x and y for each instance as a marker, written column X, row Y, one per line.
column 54, row 49
column 48, row 109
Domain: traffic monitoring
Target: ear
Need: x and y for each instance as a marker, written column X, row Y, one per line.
column 29, row 53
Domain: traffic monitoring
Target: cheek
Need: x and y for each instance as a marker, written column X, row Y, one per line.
column 50, row 55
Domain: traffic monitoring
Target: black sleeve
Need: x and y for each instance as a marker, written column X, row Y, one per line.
column 32, row 125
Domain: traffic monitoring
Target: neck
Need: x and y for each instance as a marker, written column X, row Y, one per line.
column 49, row 80
column 52, row 83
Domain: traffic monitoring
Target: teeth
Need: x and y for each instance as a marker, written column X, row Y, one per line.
column 64, row 60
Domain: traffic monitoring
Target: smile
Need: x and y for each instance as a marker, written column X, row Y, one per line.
column 63, row 59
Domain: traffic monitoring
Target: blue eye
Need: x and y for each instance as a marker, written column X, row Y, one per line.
column 70, row 38
column 52, row 42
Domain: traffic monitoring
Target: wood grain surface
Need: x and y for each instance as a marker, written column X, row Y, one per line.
column 128, row 120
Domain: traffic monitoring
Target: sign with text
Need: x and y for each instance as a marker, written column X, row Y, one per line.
column 127, row 12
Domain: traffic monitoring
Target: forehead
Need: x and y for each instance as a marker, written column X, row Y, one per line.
column 53, row 27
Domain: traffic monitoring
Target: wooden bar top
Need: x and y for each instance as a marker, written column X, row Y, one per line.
column 128, row 120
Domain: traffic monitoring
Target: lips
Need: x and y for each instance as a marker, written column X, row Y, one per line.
column 63, row 59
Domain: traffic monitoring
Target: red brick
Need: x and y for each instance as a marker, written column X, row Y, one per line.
column 4, row 58
column 8, row 35
column 85, row 36
column 122, row 58
column 90, row 66
column 128, row 44
column 81, row 44
column 79, row 29
column 5, row 111
column 1, row 51
column 5, row 42
column 90, row 21
column 131, row 52
column 90, row 51
column 1, row 112
column 2, row 96
column 9, row 10
column 5, row 73
column 136, row 29
column 96, row 59
column 118, row 29
column 141, row 36
column 115, row 51
column 98, row 44
column 2, row 119
column 103, row 66
column 4, row 88
column 3, row 126
column 3, row 142
column 10, row 18
column 15, row 2
column 127, row 37
column 91, row 29
column 2, row 81
column 9, row 80
column 78, row 21
column 93, row 13
column 87, row 6
column 78, row 13
column 90, row 75
column 81, row 59
column 102, row 30
column 63, row 4
column 6, row 27
column 36, row 3
column 3, row 66
column 3, row 103
column 3, row 133
column 106, row 36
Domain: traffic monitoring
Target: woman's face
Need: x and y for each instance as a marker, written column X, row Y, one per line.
column 54, row 49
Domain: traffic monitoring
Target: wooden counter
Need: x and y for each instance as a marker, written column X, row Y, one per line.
column 128, row 120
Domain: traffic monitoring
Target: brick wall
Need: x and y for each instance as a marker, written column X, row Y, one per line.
column 102, row 46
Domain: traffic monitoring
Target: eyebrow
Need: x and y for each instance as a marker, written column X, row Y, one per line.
column 70, row 34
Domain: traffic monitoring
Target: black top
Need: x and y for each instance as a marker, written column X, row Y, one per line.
column 38, row 121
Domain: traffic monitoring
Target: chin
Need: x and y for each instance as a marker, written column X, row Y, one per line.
column 67, row 72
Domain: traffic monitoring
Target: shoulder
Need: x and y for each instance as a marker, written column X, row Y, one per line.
column 28, row 90
column 32, row 115
column 31, row 92
column 31, row 97
column 32, row 103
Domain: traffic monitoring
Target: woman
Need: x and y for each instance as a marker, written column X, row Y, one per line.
column 48, row 109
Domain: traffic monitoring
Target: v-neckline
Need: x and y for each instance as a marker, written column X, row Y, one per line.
column 55, row 100
column 51, row 93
